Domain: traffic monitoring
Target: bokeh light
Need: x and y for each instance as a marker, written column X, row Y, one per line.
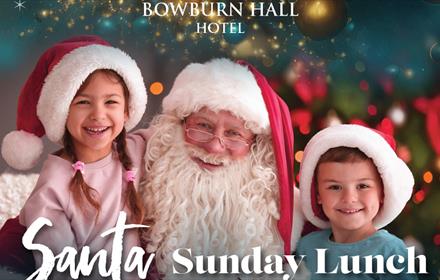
column 156, row 88
column 427, row 177
column 419, row 196
column 299, row 156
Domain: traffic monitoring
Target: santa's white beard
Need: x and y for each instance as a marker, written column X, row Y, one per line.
column 227, row 211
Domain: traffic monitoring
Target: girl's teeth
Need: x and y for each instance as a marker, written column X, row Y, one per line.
column 350, row 211
column 97, row 129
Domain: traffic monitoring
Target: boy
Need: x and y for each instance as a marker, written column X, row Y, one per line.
column 352, row 184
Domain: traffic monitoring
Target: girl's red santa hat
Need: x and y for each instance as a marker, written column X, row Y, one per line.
column 44, row 101
column 397, row 179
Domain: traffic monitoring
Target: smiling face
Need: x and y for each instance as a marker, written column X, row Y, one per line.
column 350, row 194
column 247, row 190
column 96, row 116
column 231, row 140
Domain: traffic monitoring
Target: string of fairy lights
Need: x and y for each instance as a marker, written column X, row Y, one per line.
column 263, row 39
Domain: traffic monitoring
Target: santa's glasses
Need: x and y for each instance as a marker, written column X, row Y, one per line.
column 232, row 143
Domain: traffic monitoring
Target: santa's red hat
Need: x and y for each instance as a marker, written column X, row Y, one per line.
column 397, row 179
column 221, row 84
column 44, row 101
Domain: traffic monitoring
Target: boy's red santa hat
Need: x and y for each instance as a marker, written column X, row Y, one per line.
column 239, row 88
column 44, row 101
column 397, row 179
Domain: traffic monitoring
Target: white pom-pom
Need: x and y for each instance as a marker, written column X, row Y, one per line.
column 21, row 149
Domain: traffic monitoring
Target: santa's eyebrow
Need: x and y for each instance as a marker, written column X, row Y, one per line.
column 205, row 118
column 213, row 120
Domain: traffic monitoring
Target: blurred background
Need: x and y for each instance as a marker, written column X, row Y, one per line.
column 375, row 63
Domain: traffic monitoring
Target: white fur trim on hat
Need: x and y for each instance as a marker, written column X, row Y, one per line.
column 397, row 179
column 14, row 191
column 64, row 80
column 298, row 220
column 21, row 149
column 219, row 84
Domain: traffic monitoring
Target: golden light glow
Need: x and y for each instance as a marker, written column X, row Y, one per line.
column 317, row 10
column 44, row 13
column 180, row 37
column 275, row 46
column 409, row 73
column 70, row 23
column 223, row 43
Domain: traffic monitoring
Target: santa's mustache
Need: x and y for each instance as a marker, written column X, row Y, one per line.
column 195, row 152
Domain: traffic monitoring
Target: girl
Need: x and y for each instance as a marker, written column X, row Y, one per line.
column 84, row 94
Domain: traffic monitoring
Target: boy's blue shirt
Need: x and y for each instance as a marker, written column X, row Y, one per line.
column 380, row 243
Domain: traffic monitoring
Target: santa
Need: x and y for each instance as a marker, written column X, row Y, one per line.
column 219, row 167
